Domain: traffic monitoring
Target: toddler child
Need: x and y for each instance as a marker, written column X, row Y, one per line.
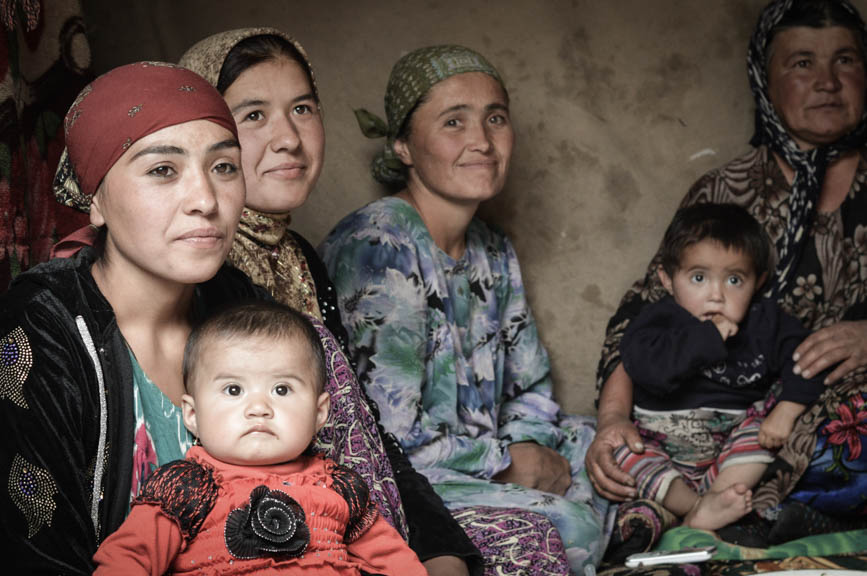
column 254, row 497
column 700, row 358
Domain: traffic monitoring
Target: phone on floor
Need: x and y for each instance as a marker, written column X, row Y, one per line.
column 684, row 555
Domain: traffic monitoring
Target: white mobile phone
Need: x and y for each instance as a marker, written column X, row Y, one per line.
column 684, row 555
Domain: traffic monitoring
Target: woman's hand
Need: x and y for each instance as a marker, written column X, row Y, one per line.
column 614, row 428
column 607, row 477
column 446, row 566
column 843, row 342
column 537, row 467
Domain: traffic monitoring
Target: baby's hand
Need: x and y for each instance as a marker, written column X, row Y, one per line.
column 726, row 327
column 777, row 427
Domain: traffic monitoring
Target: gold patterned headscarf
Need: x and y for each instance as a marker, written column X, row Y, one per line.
column 206, row 57
column 263, row 247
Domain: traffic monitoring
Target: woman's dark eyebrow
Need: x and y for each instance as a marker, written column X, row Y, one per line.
column 488, row 108
column 258, row 102
column 800, row 54
column 303, row 97
column 247, row 104
column 225, row 144
column 497, row 106
column 158, row 149
column 810, row 53
column 168, row 149
column 848, row 50
column 451, row 109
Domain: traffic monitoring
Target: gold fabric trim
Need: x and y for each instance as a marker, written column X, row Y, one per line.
column 267, row 252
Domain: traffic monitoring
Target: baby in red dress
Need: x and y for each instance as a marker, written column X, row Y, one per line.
column 254, row 497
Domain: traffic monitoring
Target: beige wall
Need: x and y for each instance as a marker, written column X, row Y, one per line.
column 618, row 106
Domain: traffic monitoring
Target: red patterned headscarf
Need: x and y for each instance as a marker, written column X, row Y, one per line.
column 121, row 107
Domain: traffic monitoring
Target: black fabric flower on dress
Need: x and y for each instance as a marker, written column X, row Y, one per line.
column 271, row 525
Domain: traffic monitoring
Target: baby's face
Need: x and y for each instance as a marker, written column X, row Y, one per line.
column 254, row 401
column 711, row 280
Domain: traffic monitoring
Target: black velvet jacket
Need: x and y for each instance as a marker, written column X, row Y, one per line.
column 66, row 412
column 66, row 416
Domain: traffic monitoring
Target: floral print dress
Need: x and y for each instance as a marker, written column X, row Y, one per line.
column 823, row 463
column 160, row 434
column 449, row 350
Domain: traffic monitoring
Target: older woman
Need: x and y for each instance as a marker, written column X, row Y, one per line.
column 269, row 85
column 804, row 181
column 90, row 369
column 438, row 322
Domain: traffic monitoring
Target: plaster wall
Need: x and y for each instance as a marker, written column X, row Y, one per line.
column 618, row 107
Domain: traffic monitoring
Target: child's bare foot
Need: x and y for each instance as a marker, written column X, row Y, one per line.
column 717, row 509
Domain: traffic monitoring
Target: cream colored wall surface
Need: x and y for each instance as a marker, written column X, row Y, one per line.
column 618, row 107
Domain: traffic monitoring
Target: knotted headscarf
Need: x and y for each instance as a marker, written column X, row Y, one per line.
column 411, row 78
column 809, row 165
column 119, row 108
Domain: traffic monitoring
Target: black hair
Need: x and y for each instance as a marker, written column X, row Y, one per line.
column 405, row 128
column 257, row 49
column 727, row 224
column 255, row 319
column 818, row 14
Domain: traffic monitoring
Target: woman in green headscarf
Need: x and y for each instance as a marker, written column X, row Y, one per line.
column 438, row 321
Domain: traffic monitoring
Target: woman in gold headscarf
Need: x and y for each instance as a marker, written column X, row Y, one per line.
column 269, row 85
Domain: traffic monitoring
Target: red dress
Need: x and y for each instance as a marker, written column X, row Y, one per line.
column 190, row 515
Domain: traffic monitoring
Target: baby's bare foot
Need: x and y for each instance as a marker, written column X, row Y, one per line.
column 717, row 509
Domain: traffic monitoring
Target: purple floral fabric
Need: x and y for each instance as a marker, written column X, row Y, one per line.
column 351, row 437
column 514, row 541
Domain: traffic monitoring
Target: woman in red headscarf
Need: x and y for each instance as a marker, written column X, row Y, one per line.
column 91, row 346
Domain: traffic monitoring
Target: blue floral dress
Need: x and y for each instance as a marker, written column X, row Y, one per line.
column 449, row 350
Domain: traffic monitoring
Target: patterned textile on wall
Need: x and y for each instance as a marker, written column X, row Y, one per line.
column 44, row 62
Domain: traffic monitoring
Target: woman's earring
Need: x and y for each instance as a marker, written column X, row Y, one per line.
column 196, row 441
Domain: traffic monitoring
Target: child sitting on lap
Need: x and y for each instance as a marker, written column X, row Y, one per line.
column 254, row 497
column 700, row 358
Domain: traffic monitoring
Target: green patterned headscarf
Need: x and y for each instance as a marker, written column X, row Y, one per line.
column 411, row 78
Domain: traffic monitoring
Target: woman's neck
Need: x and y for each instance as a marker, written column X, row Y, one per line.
column 446, row 221
column 153, row 315
column 139, row 298
column 838, row 178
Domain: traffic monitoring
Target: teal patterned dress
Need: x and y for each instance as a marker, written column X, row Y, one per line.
column 449, row 351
